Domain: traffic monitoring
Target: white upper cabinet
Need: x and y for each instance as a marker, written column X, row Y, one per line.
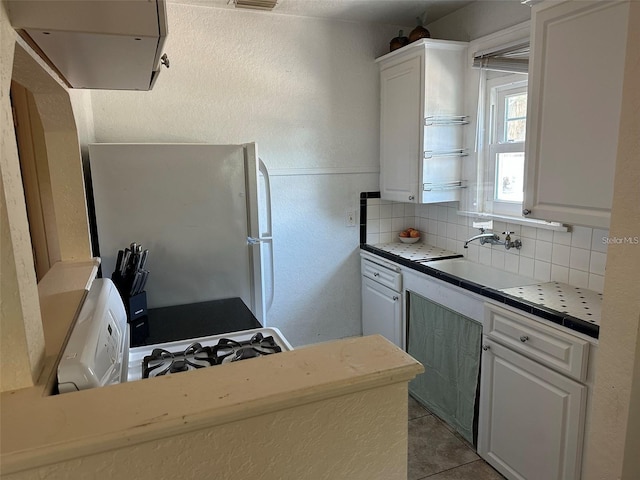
column 421, row 122
column 575, row 91
column 114, row 45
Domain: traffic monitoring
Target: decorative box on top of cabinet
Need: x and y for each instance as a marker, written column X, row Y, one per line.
column 422, row 122
column 575, row 94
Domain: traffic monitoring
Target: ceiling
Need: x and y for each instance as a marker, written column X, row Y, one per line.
column 391, row 12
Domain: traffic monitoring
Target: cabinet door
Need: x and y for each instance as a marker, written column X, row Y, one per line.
column 444, row 99
column 575, row 91
column 400, row 126
column 381, row 311
column 531, row 418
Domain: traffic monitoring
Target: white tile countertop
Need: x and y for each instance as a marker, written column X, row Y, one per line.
column 575, row 301
column 575, row 308
column 416, row 251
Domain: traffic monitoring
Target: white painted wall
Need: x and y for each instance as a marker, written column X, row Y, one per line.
column 478, row 19
column 613, row 445
column 83, row 113
column 304, row 89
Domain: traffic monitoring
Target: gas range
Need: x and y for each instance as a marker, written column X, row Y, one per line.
column 216, row 350
column 98, row 354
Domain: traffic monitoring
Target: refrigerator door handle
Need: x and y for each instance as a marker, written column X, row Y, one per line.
column 267, row 235
column 268, row 243
column 267, row 187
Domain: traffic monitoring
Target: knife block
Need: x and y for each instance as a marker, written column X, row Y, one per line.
column 135, row 305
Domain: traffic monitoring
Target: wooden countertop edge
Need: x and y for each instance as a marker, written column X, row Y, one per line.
column 61, row 293
column 39, row 430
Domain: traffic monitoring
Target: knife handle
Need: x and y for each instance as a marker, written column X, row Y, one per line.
column 125, row 261
column 119, row 261
column 134, row 284
column 143, row 282
column 143, row 260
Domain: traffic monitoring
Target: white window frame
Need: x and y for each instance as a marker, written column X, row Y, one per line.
column 497, row 90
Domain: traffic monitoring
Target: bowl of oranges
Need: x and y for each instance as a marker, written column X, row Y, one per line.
column 409, row 235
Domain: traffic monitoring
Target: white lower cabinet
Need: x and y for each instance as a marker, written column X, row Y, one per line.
column 531, row 419
column 381, row 311
column 534, row 377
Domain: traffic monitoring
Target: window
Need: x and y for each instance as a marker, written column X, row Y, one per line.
column 506, row 127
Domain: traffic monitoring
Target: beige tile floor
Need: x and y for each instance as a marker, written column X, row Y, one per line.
column 436, row 453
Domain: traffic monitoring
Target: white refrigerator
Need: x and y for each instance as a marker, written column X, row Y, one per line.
column 203, row 212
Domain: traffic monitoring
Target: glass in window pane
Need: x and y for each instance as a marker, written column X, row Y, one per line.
column 517, row 106
column 515, row 117
column 510, row 177
column 516, row 130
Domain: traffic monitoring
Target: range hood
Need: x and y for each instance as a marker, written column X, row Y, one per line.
column 98, row 44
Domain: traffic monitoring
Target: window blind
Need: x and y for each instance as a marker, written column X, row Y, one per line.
column 513, row 57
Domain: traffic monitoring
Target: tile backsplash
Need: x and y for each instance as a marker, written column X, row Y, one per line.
column 577, row 257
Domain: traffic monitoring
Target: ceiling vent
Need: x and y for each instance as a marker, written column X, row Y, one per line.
column 256, row 4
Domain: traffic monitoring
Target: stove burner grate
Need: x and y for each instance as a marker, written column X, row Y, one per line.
column 163, row 362
column 231, row 351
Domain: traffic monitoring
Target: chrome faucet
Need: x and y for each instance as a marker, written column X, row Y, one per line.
column 491, row 238
column 511, row 244
column 494, row 239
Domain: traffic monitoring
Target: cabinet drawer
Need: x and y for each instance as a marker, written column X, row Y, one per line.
column 385, row 276
column 562, row 352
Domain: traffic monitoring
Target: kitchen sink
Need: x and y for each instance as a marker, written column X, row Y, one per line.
column 480, row 274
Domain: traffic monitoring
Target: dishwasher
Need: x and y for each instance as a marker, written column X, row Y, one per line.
column 382, row 301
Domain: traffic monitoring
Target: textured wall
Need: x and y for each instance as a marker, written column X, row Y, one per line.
column 22, row 335
column 317, row 294
column 478, row 19
column 367, row 440
column 304, row 89
column 22, row 342
column 64, row 177
column 612, row 450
